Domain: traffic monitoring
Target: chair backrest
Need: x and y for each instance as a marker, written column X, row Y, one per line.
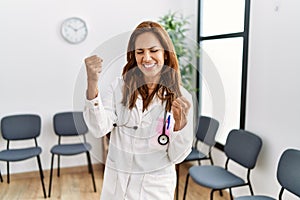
column 207, row 129
column 243, row 147
column 21, row 127
column 69, row 124
column 288, row 171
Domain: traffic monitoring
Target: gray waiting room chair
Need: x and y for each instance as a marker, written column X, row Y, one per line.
column 288, row 176
column 243, row 148
column 205, row 134
column 19, row 128
column 70, row 124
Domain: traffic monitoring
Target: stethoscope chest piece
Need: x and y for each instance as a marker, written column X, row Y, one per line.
column 163, row 139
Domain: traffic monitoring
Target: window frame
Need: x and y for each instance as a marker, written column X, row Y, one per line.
column 245, row 35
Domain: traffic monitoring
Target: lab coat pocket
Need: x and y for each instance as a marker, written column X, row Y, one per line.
column 158, row 186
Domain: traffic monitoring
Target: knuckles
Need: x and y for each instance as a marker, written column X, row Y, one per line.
column 93, row 60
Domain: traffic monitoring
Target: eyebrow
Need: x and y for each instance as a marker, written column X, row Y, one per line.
column 147, row 48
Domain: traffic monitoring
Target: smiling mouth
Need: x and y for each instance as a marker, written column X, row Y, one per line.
column 148, row 66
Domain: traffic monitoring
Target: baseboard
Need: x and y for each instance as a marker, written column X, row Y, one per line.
column 64, row 170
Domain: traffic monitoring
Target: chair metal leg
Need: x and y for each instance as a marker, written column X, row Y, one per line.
column 212, row 194
column 251, row 190
column 249, row 182
column 177, row 181
column 1, row 179
column 42, row 176
column 199, row 162
column 186, row 185
column 210, row 158
column 51, row 171
column 221, row 193
column 230, row 193
column 91, row 169
column 58, row 165
column 211, row 161
column 280, row 193
column 7, row 165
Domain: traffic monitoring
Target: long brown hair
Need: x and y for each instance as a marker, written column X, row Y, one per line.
column 168, row 87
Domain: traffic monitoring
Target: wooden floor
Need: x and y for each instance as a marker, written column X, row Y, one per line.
column 76, row 184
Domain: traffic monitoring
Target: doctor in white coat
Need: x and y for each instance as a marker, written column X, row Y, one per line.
column 148, row 114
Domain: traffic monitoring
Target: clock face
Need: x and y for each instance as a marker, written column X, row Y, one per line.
column 74, row 30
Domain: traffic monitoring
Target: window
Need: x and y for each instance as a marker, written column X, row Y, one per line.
column 223, row 28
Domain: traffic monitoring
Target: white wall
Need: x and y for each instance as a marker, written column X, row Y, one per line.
column 273, row 95
column 41, row 73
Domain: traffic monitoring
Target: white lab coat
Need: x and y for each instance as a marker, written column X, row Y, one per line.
column 137, row 166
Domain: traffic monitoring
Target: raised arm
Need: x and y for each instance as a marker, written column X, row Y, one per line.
column 93, row 69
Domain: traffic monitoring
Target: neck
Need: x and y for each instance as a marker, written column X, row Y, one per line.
column 151, row 82
column 151, row 86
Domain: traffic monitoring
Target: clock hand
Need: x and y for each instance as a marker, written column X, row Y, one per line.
column 81, row 27
column 76, row 29
column 72, row 27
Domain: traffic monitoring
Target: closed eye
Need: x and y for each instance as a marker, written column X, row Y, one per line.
column 152, row 51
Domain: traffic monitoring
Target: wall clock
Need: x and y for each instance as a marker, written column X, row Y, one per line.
column 74, row 30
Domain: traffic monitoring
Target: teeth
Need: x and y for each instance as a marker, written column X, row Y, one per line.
column 149, row 65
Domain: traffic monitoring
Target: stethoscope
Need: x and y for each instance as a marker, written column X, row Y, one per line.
column 163, row 139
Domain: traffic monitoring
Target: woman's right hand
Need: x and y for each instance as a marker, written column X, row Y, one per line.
column 93, row 68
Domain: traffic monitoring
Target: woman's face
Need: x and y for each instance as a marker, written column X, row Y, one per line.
column 149, row 55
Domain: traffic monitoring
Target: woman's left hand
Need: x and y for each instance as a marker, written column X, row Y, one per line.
column 180, row 109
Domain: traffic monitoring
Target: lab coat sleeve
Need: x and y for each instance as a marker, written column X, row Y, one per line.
column 99, row 113
column 181, row 141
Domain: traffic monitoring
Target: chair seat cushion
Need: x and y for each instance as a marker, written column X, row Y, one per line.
column 195, row 155
column 71, row 149
column 214, row 177
column 19, row 154
column 256, row 197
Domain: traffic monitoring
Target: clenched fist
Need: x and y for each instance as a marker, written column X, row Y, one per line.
column 180, row 108
column 93, row 68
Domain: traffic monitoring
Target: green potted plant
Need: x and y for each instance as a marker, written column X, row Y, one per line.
column 177, row 26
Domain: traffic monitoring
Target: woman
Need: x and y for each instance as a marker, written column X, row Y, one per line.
column 149, row 116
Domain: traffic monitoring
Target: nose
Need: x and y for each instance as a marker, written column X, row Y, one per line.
column 147, row 56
